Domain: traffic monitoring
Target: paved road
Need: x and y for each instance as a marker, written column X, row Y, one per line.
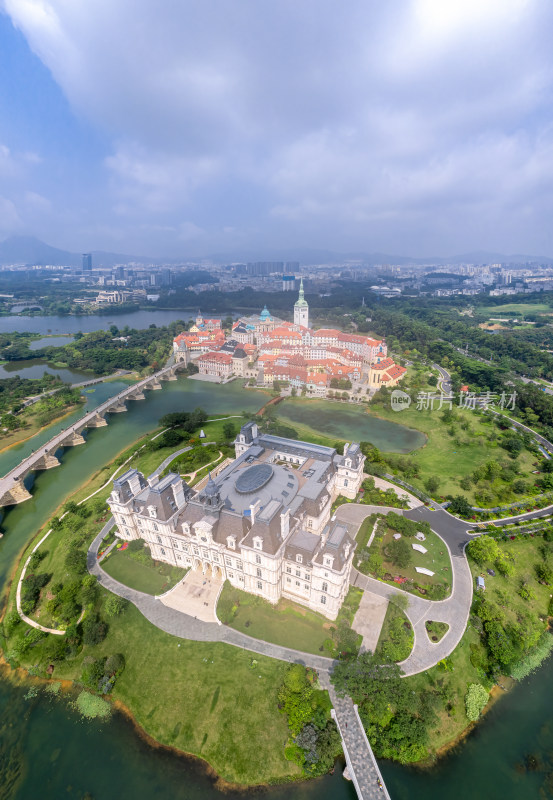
column 454, row 610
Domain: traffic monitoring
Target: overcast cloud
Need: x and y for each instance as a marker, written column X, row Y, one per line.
column 422, row 127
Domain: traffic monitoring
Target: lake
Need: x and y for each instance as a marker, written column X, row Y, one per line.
column 350, row 422
column 61, row 756
column 36, row 367
column 94, row 322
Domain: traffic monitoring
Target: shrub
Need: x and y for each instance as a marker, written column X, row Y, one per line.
column 36, row 558
column 94, row 629
column 476, row 699
column 114, row 605
column 90, row 706
column 75, row 561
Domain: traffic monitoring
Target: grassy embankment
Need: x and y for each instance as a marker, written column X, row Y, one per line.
column 211, row 700
column 144, row 575
column 36, row 418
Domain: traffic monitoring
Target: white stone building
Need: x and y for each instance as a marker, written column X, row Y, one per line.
column 263, row 523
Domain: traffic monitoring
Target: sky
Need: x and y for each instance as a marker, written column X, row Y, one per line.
column 180, row 128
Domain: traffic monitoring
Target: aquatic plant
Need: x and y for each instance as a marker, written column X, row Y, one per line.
column 92, row 707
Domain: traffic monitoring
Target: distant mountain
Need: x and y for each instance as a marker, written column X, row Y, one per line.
column 30, row 250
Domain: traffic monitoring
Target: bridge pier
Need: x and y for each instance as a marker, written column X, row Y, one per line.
column 138, row 395
column 118, row 409
column 154, row 385
column 46, row 461
column 96, row 422
column 16, row 494
column 73, row 439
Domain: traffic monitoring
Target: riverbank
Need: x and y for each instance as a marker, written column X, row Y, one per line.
column 8, row 440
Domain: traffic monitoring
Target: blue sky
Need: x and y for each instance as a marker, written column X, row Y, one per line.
column 180, row 128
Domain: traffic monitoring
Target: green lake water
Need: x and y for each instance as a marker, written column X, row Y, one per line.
column 60, row 756
column 351, row 423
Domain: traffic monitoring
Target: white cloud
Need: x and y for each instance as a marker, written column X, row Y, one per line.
column 387, row 125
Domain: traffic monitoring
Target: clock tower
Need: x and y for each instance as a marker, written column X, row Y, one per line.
column 301, row 309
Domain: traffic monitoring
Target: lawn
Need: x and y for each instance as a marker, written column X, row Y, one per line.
column 153, row 577
column 375, row 560
column 436, row 630
column 287, row 624
column 396, row 637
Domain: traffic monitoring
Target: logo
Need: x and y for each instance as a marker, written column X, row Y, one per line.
column 400, row 400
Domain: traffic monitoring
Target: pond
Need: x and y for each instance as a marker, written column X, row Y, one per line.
column 51, row 341
column 350, row 422
column 36, row 367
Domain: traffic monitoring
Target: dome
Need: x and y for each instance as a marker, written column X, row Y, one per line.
column 211, row 489
column 265, row 314
column 253, row 478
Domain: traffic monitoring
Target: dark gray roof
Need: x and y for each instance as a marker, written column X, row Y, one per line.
column 337, row 543
column 161, row 496
column 303, row 543
column 123, row 484
column 268, row 527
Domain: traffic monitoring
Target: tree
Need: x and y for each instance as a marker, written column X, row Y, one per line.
column 432, row 484
column 460, row 505
column 94, row 629
column 465, row 483
column 483, row 549
column 295, row 678
column 399, row 552
column 228, row 430
column 476, row 699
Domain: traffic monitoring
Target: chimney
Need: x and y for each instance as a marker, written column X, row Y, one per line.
column 253, row 510
column 285, row 524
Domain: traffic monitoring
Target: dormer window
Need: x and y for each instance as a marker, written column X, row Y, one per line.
column 152, row 511
column 327, row 561
column 231, row 542
column 186, row 527
column 257, row 542
column 348, row 462
column 299, row 558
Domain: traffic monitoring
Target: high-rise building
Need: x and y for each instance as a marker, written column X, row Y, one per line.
column 301, row 309
column 87, row 262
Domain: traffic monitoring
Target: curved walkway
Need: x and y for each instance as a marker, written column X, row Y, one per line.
column 454, row 610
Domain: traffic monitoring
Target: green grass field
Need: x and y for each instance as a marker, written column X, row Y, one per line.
column 286, row 624
column 154, row 578
column 515, row 309
column 436, row 559
column 212, row 700
column 450, row 458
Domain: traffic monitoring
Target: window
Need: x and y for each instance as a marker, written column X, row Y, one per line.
column 323, row 600
column 228, row 561
column 258, row 573
column 215, row 557
column 307, row 577
column 231, row 542
column 299, row 558
column 289, row 570
column 288, row 580
column 325, row 587
column 257, row 543
column 155, row 527
column 196, row 551
column 297, row 583
column 159, row 539
column 259, row 585
column 257, row 559
column 162, row 551
column 307, row 586
column 239, row 565
column 346, row 482
column 231, row 574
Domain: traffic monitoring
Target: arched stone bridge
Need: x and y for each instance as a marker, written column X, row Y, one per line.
column 12, row 485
